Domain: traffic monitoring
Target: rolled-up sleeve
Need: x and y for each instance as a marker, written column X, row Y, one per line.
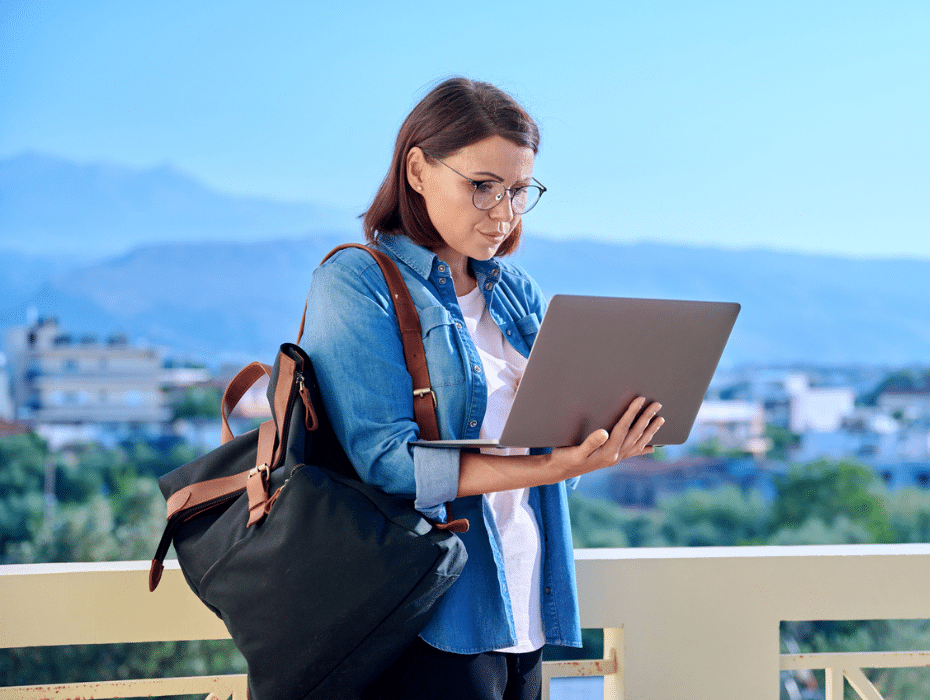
column 437, row 477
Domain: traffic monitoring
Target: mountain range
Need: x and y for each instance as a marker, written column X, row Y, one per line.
column 217, row 279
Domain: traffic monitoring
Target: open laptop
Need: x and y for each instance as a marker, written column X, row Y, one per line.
column 593, row 355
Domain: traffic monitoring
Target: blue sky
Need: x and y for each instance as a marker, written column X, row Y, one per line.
column 787, row 125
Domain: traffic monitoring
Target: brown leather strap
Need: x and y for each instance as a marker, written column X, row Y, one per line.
column 205, row 491
column 236, row 389
column 257, row 484
column 267, row 440
column 287, row 370
column 424, row 400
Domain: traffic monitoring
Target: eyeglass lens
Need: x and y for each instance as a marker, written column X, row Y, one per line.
column 488, row 194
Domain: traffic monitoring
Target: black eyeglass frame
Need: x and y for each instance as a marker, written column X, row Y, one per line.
column 476, row 183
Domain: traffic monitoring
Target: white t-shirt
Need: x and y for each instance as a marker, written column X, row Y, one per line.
column 516, row 523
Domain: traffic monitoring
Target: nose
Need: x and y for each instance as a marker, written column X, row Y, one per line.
column 503, row 210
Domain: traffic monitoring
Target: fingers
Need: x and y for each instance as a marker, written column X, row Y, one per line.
column 647, row 425
column 632, row 434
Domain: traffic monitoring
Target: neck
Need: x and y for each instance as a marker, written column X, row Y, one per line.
column 462, row 277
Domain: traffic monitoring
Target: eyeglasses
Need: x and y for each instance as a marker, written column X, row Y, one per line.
column 489, row 193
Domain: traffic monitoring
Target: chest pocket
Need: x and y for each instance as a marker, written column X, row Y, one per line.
column 441, row 344
column 528, row 327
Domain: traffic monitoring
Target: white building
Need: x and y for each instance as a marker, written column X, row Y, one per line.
column 820, row 409
column 68, row 389
column 735, row 425
column 910, row 404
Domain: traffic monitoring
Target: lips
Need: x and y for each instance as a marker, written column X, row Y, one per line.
column 494, row 234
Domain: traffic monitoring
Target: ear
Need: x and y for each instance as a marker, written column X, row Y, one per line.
column 416, row 168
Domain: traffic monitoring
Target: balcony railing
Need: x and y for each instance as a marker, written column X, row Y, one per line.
column 679, row 623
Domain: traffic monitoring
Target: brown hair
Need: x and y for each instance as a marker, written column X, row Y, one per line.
column 456, row 113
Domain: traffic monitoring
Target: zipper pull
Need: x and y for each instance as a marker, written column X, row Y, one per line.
column 310, row 421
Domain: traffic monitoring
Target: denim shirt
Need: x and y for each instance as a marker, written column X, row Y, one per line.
column 354, row 343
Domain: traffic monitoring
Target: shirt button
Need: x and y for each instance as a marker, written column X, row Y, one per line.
column 442, row 268
column 473, row 424
column 509, row 333
column 489, row 286
column 548, row 590
column 458, row 325
column 442, row 280
column 494, row 272
column 477, row 368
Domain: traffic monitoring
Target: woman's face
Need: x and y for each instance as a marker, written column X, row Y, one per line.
column 469, row 232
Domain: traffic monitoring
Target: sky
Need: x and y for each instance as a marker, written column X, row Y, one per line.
column 787, row 125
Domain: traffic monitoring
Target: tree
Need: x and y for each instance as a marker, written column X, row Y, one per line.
column 908, row 512
column 783, row 442
column 198, row 402
column 599, row 523
column 22, row 482
column 826, row 490
column 724, row 517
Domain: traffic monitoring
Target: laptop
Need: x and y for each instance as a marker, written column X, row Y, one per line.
column 594, row 355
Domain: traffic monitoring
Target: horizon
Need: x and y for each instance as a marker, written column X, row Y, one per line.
column 778, row 126
column 87, row 258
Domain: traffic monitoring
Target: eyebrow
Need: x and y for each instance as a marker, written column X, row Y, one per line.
column 495, row 177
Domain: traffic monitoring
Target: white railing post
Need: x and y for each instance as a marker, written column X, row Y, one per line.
column 689, row 629
column 615, row 650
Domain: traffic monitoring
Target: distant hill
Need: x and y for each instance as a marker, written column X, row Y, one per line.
column 50, row 205
column 238, row 301
column 796, row 307
column 201, row 277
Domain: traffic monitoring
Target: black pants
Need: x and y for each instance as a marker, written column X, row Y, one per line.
column 426, row 673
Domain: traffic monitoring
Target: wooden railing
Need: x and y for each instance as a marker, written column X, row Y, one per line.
column 679, row 623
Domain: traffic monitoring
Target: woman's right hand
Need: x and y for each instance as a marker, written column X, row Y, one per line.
column 630, row 437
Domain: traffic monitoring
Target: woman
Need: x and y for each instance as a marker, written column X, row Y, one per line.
column 448, row 210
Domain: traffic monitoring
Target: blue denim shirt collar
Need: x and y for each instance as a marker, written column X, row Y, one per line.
column 417, row 258
column 424, row 262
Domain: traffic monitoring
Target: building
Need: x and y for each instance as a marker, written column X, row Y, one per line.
column 796, row 400
column 68, row 388
column 735, row 426
column 907, row 403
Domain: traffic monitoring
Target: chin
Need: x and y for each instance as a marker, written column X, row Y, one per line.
column 490, row 249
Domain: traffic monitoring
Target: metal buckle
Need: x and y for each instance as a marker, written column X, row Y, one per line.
column 258, row 470
column 421, row 392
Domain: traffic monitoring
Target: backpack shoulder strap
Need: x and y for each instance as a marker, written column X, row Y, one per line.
column 424, row 400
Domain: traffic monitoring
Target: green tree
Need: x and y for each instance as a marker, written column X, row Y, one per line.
column 599, row 523
column 723, row 517
column 198, row 402
column 826, row 490
column 783, row 442
column 908, row 512
column 22, row 482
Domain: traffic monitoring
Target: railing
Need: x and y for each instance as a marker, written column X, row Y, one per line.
column 679, row 623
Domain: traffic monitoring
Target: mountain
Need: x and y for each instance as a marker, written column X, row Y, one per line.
column 237, row 301
column 158, row 256
column 795, row 308
column 50, row 205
